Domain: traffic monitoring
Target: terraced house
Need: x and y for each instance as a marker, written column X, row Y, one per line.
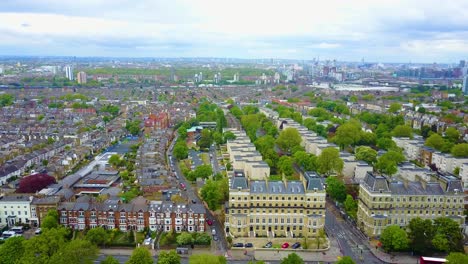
column 86, row 212
column 383, row 201
column 261, row 207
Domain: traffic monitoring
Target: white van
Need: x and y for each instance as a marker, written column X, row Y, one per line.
column 8, row 234
column 213, row 231
column 17, row 229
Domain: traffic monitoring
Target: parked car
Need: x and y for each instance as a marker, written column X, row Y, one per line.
column 296, row 245
column 38, row 231
column 238, row 245
column 268, row 245
column 182, row 186
column 193, row 201
column 17, row 229
column 215, row 238
column 148, row 241
column 213, row 231
column 8, row 234
column 285, row 245
column 248, row 245
column 209, row 222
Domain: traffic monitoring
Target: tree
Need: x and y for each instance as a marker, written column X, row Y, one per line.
column 305, row 160
column 388, row 162
column 180, row 150
column 11, row 250
column 460, row 150
column 292, row 258
column 394, row 107
column 394, row 238
column 115, row 160
column 207, row 258
column 206, row 139
column 447, row 237
column 285, row 165
column 386, row 143
column 75, row 252
column 452, row 134
column 51, row 220
column 6, row 99
column 97, row 236
column 202, row 171
column 215, row 193
column 184, row 238
column 265, row 143
column 435, row 141
column 319, row 237
column 345, row 260
column 140, row 255
column 133, row 127
column 366, row 154
column 403, row 131
column 421, row 233
column 228, row 135
column 40, row 249
column 288, row 139
column 168, row 257
column 34, row 183
column 348, row 134
column 457, row 258
column 329, row 161
column 110, row 260
column 336, row 189
column 351, row 206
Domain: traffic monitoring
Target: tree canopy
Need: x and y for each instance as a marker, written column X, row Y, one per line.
column 345, row 260
column 366, row 154
column 34, row 183
column 329, row 161
column 140, row 255
column 460, row 150
column 403, row 131
column 168, row 257
column 348, row 134
column 394, row 238
column 336, row 189
column 388, row 162
column 292, row 258
column 288, row 139
column 207, row 258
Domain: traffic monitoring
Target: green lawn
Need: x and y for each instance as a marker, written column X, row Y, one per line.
column 205, row 158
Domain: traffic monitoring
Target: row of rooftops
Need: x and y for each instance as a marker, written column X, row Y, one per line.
column 139, row 204
column 442, row 186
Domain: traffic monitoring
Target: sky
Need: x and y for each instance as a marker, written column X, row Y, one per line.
column 345, row 30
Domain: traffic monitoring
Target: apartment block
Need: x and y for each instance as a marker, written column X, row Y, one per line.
column 15, row 209
column 383, row 201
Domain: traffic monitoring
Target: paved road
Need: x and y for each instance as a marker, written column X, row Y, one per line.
column 351, row 242
column 214, row 160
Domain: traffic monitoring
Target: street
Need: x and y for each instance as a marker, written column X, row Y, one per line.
column 351, row 242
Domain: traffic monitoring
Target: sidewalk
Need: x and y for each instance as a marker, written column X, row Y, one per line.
column 398, row 258
column 128, row 252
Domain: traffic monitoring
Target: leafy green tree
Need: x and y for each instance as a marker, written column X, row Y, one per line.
column 206, row 139
column 6, row 99
column 285, row 165
column 202, row 171
column 180, row 150
column 140, row 255
column 452, row 134
column 348, row 134
column 292, row 258
column 386, row 143
column 228, row 135
column 309, row 123
column 185, row 238
column 215, row 193
column 39, row 249
column 394, row 107
column 388, row 162
column 307, row 161
column 421, row 232
column 457, row 258
column 110, row 260
column 345, row 260
column 265, row 143
column 447, row 236
column 394, row 238
column 403, row 131
column 11, row 250
column 435, row 141
column 202, row 239
column 168, row 257
column 218, row 138
column 97, row 236
column 329, row 161
column 460, row 150
column 51, row 220
column 207, row 258
column 256, row 262
column 288, row 139
column 115, row 160
column 351, row 206
column 336, row 189
column 75, row 252
column 366, row 154
column 133, row 127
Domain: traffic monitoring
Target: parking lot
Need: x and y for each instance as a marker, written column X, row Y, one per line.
column 260, row 242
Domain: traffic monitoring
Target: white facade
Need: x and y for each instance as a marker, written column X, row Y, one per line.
column 15, row 209
column 69, row 73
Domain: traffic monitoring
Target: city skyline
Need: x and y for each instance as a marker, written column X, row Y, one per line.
column 387, row 31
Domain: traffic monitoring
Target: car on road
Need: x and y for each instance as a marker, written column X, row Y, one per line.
column 285, row 245
column 148, row 241
column 215, row 238
column 182, row 186
column 209, row 222
column 248, row 245
column 296, row 245
column 268, row 245
column 213, row 231
column 238, row 245
column 222, row 168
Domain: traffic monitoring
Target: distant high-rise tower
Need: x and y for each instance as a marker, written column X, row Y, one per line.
column 465, row 85
column 236, row 77
column 81, row 77
column 69, row 73
column 462, row 63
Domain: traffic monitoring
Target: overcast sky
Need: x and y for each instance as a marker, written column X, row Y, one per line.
column 376, row 30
